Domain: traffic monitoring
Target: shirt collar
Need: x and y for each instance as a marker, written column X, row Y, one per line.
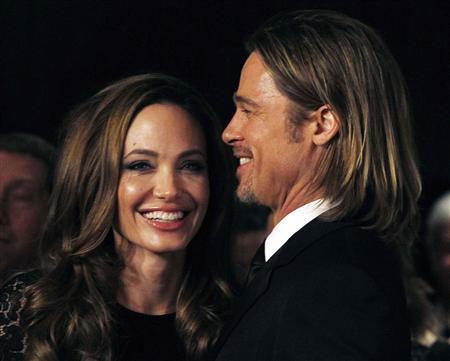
column 292, row 223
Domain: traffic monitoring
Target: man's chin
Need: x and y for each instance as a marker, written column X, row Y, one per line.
column 246, row 194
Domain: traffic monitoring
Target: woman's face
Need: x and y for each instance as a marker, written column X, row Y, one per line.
column 163, row 191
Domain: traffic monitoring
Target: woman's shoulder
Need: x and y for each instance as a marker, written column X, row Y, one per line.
column 12, row 303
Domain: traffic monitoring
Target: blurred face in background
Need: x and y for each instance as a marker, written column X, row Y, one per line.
column 23, row 208
column 440, row 262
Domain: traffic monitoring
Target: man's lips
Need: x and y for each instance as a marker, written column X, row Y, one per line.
column 243, row 155
column 244, row 160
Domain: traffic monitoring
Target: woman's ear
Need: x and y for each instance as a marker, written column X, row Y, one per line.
column 327, row 125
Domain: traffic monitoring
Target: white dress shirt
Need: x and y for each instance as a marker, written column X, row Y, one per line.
column 292, row 223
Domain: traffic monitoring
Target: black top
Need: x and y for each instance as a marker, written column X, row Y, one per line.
column 140, row 337
column 147, row 337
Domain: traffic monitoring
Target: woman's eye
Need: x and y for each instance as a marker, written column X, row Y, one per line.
column 139, row 165
column 193, row 166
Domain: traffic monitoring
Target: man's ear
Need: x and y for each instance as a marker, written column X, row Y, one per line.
column 327, row 125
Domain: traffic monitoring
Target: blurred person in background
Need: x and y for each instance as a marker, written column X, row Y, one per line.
column 26, row 168
column 438, row 246
column 430, row 306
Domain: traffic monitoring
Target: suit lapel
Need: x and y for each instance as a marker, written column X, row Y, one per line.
column 251, row 294
column 304, row 238
column 295, row 245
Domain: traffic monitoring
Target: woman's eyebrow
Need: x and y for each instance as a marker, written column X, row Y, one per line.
column 142, row 151
column 190, row 152
column 152, row 153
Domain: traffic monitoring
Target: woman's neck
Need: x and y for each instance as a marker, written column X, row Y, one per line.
column 150, row 282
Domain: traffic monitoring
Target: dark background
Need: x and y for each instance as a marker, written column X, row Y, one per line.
column 54, row 54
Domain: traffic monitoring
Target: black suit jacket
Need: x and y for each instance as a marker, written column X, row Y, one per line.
column 333, row 292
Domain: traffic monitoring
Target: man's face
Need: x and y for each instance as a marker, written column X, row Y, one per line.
column 23, row 208
column 274, row 169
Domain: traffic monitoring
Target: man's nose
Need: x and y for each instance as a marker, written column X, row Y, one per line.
column 232, row 132
column 4, row 212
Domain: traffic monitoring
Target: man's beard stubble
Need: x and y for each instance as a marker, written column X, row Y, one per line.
column 245, row 192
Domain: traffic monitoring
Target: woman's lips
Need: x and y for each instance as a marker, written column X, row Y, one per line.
column 165, row 220
column 164, row 215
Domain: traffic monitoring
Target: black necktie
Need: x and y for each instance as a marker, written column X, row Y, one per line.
column 257, row 262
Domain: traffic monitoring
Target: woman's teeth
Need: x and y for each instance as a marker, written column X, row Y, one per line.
column 164, row 216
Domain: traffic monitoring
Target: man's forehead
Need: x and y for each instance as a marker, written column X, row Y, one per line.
column 256, row 81
column 10, row 159
column 19, row 168
column 254, row 65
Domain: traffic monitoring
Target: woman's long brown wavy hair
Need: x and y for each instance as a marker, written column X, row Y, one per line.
column 70, row 309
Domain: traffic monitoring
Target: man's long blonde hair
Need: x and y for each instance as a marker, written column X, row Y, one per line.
column 369, row 169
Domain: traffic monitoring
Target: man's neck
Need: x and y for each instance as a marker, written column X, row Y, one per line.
column 292, row 202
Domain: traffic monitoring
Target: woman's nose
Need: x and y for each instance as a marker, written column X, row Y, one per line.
column 166, row 186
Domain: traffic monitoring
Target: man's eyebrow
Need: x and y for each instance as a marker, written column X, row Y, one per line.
column 16, row 183
column 241, row 99
column 19, row 183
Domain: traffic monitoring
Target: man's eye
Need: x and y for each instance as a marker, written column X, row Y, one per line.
column 22, row 197
column 139, row 165
column 193, row 166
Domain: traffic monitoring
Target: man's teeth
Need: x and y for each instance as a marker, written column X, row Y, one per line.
column 244, row 160
column 164, row 216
